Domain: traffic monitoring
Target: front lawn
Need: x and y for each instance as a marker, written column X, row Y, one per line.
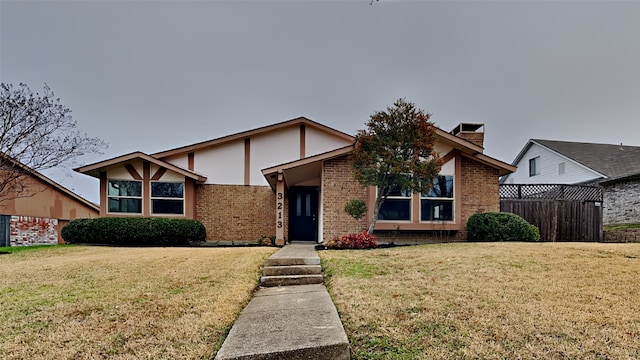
column 489, row 300
column 123, row 303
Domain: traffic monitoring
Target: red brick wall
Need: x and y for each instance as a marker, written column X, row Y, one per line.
column 338, row 187
column 236, row 212
column 479, row 192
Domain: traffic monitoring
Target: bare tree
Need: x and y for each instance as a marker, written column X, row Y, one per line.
column 37, row 133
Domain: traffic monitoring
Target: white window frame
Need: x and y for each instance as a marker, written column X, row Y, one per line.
column 152, row 198
column 451, row 199
column 408, row 198
column 126, row 197
column 536, row 166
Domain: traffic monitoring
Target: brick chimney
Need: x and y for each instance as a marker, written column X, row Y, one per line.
column 471, row 132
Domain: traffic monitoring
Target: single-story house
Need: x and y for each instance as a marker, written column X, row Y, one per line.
column 291, row 180
column 34, row 212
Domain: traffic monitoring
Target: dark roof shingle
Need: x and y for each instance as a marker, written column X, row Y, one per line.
column 610, row 160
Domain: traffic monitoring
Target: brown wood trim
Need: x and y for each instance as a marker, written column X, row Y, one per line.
column 191, row 161
column 457, row 190
column 189, row 199
column 146, row 188
column 247, row 161
column 303, row 140
column 450, row 155
column 158, row 175
column 133, row 172
column 420, row 226
column 103, row 193
column 415, row 207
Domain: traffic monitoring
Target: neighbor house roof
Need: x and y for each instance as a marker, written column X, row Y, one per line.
column 96, row 168
column 49, row 182
column 609, row 160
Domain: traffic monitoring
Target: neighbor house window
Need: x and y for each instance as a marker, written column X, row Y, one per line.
column 397, row 206
column 124, row 196
column 534, row 166
column 561, row 168
column 167, row 198
column 437, row 203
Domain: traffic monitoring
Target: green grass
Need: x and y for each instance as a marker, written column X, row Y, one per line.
column 489, row 300
column 621, row 227
column 16, row 249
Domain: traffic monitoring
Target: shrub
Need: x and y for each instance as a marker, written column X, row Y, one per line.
column 134, row 231
column 267, row 240
column 498, row 226
column 362, row 240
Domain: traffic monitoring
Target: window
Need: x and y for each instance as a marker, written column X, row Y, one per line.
column 534, row 166
column 437, row 203
column 167, row 198
column 561, row 168
column 124, row 196
column 397, row 206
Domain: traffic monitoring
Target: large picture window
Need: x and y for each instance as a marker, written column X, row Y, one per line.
column 167, row 198
column 437, row 203
column 124, row 196
column 397, row 206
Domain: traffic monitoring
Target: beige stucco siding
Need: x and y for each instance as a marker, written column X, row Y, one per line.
column 318, row 142
column 222, row 164
column 273, row 148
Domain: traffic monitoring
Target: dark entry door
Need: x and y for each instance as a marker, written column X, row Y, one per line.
column 303, row 213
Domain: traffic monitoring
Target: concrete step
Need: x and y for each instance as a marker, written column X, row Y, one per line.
column 286, row 261
column 287, row 280
column 291, row 270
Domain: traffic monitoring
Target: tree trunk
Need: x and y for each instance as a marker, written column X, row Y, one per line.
column 376, row 209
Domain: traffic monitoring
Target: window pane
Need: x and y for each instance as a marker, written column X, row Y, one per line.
column 395, row 209
column 442, row 187
column 167, row 206
column 398, row 191
column 133, row 206
column 124, row 188
column 167, row 189
column 433, row 210
column 308, row 205
column 298, row 205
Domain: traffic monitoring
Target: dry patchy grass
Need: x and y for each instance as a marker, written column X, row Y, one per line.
column 123, row 303
column 489, row 301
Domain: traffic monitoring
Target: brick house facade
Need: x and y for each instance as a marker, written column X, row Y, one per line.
column 291, row 180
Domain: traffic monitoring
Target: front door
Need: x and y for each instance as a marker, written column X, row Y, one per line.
column 303, row 213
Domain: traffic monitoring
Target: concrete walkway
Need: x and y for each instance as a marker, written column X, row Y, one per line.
column 288, row 322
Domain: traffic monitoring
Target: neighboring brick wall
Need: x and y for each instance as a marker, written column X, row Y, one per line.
column 236, row 212
column 338, row 187
column 622, row 203
column 480, row 191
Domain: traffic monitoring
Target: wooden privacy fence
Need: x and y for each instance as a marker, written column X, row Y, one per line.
column 561, row 212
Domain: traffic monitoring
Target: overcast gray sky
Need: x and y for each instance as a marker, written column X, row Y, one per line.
column 154, row 75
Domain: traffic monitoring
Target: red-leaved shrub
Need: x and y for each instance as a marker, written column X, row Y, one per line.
column 362, row 240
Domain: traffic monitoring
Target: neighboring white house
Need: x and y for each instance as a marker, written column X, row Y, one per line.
column 564, row 162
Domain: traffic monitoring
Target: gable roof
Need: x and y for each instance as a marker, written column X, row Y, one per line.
column 609, row 160
column 49, row 182
column 257, row 131
column 96, row 168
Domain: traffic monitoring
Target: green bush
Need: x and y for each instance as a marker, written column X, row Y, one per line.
column 134, row 231
column 497, row 226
